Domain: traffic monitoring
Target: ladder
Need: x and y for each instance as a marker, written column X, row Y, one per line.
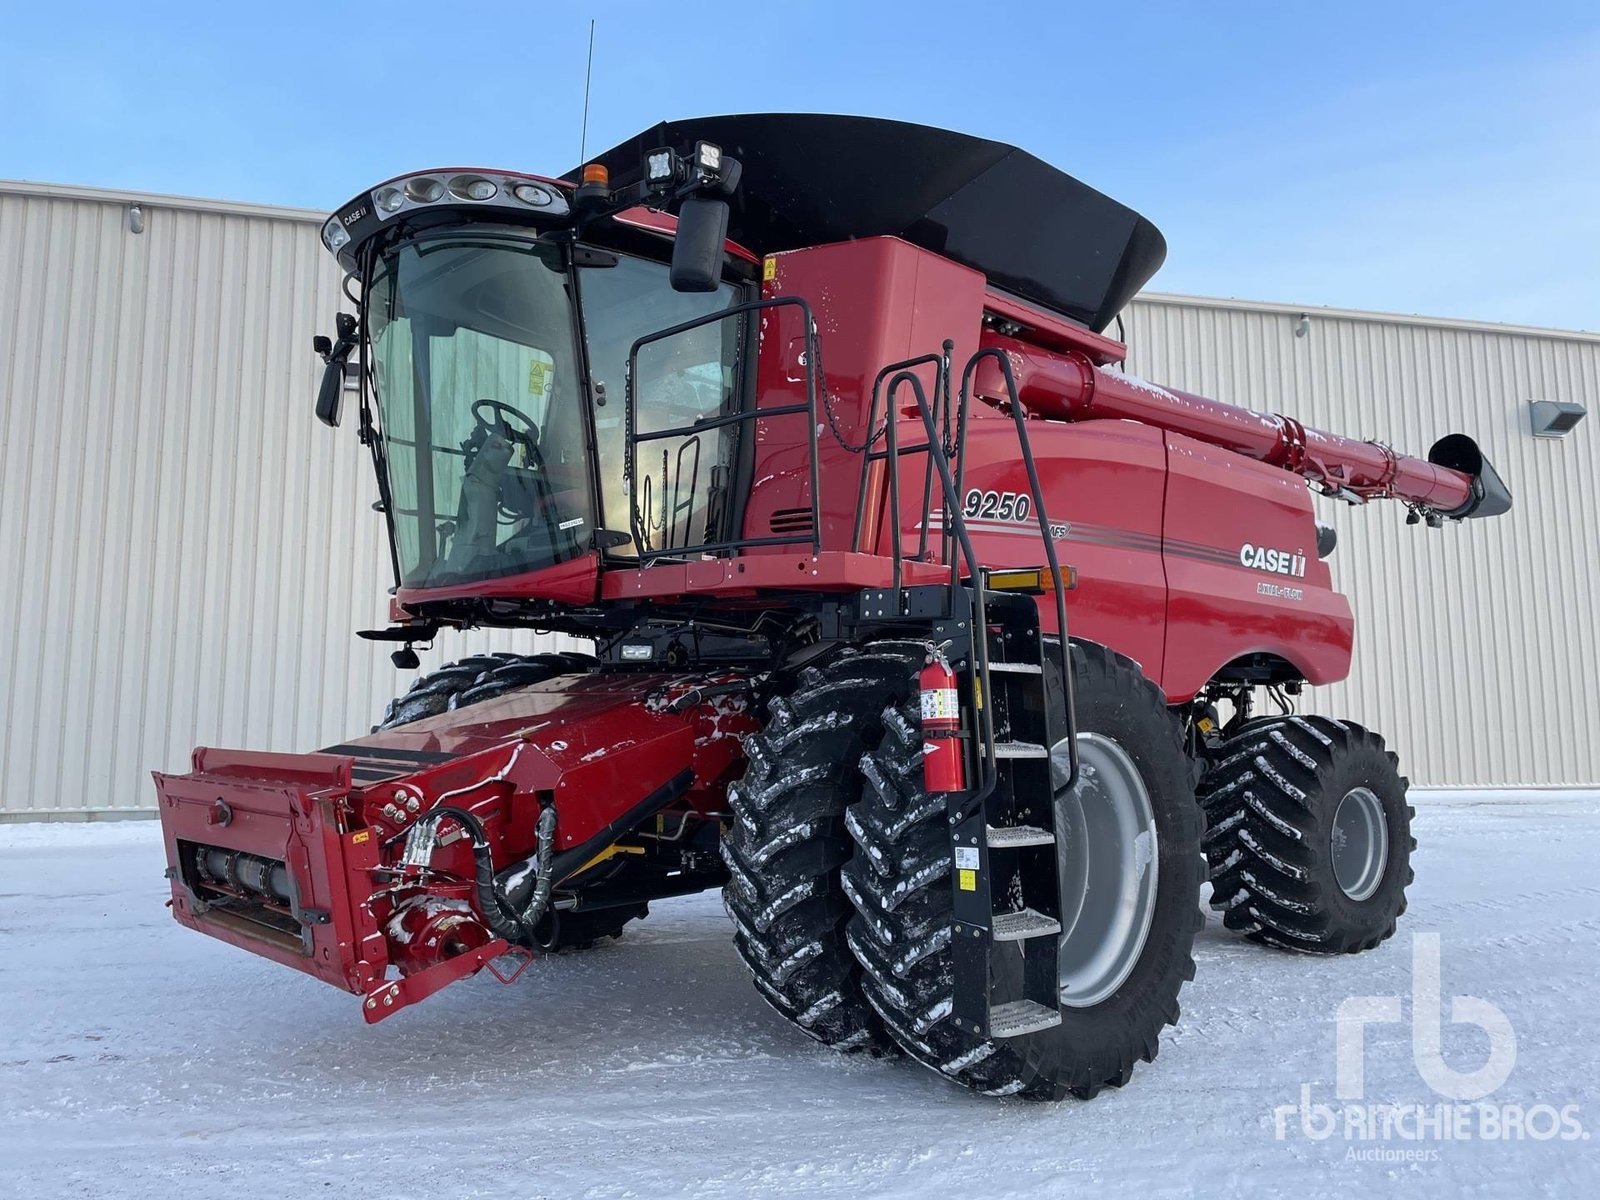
column 1006, row 889
column 1004, row 862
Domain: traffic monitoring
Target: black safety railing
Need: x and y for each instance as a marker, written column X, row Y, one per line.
column 944, row 420
column 678, row 507
column 892, row 450
column 955, row 521
column 1052, row 560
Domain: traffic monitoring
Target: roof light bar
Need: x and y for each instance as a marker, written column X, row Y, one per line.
column 454, row 190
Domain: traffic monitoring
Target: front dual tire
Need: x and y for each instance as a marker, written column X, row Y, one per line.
column 846, row 928
column 787, row 841
column 1128, row 843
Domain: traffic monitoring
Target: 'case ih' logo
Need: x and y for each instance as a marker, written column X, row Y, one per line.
column 1277, row 562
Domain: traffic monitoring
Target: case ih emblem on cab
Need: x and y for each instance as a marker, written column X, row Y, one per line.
column 944, row 780
column 1278, row 562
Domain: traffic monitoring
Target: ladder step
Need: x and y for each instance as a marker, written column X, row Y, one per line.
column 1017, row 926
column 1019, row 1017
column 1020, row 750
column 1014, row 837
column 1017, row 668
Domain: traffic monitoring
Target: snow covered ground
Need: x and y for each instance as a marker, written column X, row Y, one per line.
column 139, row 1059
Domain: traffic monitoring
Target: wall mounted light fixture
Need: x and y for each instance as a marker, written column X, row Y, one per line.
column 1554, row 418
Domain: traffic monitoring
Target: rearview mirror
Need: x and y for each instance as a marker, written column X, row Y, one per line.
column 697, row 250
column 330, row 396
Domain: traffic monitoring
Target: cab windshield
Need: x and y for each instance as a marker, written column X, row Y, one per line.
column 481, row 405
column 477, row 384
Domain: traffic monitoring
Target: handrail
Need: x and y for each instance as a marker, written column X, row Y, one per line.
column 955, row 522
column 632, row 438
column 1051, row 557
column 868, row 454
column 980, row 618
column 955, row 534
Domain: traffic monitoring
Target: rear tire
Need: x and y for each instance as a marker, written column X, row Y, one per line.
column 788, row 841
column 1309, row 840
column 474, row 680
column 900, row 883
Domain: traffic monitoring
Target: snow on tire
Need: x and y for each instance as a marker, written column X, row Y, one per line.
column 1309, row 835
column 900, row 883
column 787, row 840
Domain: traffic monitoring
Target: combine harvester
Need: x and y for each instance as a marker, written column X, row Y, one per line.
column 915, row 617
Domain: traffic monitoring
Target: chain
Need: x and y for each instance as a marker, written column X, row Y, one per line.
column 827, row 407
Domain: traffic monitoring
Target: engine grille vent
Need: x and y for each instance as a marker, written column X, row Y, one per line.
column 792, row 520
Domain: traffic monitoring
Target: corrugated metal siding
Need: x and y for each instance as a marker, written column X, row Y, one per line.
column 186, row 552
column 1476, row 649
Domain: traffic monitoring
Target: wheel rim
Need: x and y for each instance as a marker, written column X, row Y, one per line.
column 1359, row 843
column 1107, row 858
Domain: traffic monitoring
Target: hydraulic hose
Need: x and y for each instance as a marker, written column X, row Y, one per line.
column 499, row 898
column 502, row 919
column 543, row 864
column 547, row 868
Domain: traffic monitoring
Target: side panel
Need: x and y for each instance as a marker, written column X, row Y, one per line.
column 876, row 301
column 1103, row 486
column 1243, row 573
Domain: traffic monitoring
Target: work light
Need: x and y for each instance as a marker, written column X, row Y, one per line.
column 334, row 234
column 660, row 166
column 472, row 187
column 423, row 190
column 708, row 157
column 532, row 193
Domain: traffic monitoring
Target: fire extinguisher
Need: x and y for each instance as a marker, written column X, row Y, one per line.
column 944, row 766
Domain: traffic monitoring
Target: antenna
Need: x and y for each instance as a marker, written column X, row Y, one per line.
column 588, row 76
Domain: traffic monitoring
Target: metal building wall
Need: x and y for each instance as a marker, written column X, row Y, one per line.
column 1476, row 647
column 184, row 550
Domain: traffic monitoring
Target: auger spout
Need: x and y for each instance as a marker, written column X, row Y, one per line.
column 1456, row 480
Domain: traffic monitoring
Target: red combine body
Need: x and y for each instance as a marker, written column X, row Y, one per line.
column 914, row 614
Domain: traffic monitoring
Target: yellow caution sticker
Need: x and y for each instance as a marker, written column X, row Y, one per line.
column 541, row 371
column 359, row 836
column 769, row 270
column 967, row 881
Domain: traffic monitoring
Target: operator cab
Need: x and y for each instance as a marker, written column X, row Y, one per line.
column 500, row 312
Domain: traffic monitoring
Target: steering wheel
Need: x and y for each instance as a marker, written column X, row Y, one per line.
column 496, row 417
column 511, row 423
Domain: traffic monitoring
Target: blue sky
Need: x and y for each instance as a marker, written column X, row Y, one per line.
column 1441, row 158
